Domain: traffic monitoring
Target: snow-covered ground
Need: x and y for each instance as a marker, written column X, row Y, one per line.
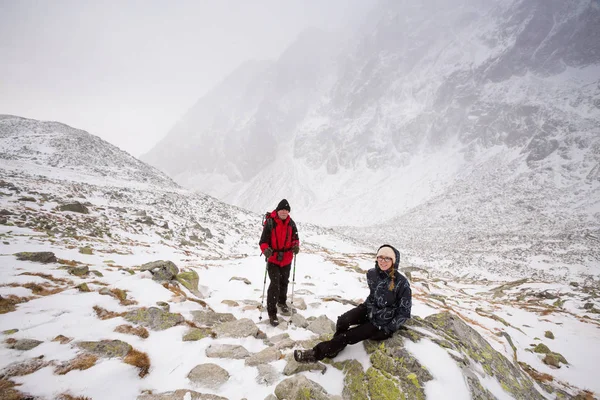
column 329, row 265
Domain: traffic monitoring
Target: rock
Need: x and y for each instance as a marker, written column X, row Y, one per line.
column 299, row 387
column 263, row 357
column 210, row 318
column 180, row 394
column 161, row 270
column 299, row 321
column 237, row 278
column 230, row 303
column 208, row 375
column 43, row 257
column 190, row 279
column 74, row 207
column 83, row 287
column 465, row 339
column 293, row 367
column 197, row 334
column 237, row 329
column 154, row 318
column 106, row 348
column 321, row 325
column 79, row 271
column 551, row 360
column 24, row 344
column 267, row 375
column 549, row 335
column 227, row 351
column 21, row 368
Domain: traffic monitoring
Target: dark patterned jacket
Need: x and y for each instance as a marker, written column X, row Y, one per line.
column 388, row 309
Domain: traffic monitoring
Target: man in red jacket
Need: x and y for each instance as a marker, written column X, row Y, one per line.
column 279, row 242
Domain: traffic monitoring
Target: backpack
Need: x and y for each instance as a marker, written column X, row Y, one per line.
column 268, row 221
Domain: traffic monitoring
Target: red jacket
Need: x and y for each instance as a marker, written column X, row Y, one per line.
column 281, row 236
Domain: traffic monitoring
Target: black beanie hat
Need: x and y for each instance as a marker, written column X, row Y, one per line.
column 283, row 205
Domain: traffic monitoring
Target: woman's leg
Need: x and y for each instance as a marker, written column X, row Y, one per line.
column 354, row 335
column 356, row 316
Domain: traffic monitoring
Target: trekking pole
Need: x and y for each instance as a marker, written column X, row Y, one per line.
column 263, row 295
column 293, row 282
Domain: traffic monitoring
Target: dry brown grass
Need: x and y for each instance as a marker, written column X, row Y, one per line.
column 128, row 329
column 99, row 283
column 536, row 375
column 176, row 290
column 42, row 289
column 70, row 263
column 67, row 396
column 122, row 296
column 103, row 313
column 139, row 360
column 49, row 277
column 81, row 362
column 7, row 391
column 8, row 303
column 585, row 395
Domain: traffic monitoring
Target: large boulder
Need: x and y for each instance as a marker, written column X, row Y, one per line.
column 209, row 375
column 461, row 337
column 161, row 270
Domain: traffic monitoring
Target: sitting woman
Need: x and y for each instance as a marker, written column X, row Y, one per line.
column 385, row 310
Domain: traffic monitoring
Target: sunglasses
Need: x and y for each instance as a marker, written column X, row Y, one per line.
column 386, row 259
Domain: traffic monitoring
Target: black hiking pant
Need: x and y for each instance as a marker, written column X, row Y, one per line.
column 278, row 287
column 344, row 335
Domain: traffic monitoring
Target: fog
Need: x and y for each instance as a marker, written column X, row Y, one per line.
column 128, row 70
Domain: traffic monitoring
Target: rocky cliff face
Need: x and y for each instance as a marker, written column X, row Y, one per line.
column 420, row 99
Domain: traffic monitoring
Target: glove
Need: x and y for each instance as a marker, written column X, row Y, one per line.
column 296, row 249
column 268, row 252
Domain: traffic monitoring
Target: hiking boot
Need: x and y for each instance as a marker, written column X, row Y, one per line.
column 305, row 356
column 273, row 320
column 285, row 310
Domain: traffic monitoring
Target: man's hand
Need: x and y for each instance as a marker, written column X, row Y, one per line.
column 296, row 249
column 268, row 252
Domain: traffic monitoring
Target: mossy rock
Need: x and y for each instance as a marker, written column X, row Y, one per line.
column 196, row 334
column 189, row 279
column 541, row 348
column 86, row 250
column 83, row 287
column 355, row 380
column 44, row 257
column 79, row 271
column 549, row 335
column 403, row 366
column 383, row 387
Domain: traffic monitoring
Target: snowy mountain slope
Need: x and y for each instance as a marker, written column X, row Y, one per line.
column 416, row 101
column 54, row 316
column 82, row 319
column 55, row 145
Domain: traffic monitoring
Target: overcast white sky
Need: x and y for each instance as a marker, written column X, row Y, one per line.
column 127, row 70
